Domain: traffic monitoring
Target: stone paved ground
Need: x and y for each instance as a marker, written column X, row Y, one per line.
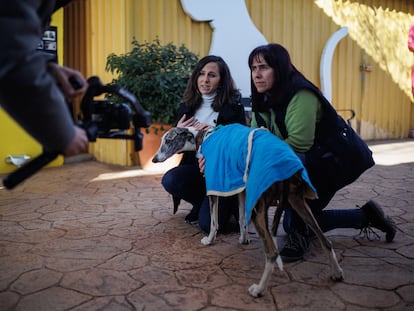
column 91, row 236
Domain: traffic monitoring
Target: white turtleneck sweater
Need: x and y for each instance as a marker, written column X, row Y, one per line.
column 205, row 114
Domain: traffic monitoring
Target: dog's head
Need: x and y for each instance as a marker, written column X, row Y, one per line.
column 176, row 140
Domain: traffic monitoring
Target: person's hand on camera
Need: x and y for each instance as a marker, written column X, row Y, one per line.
column 63, row 75
column 79, row 143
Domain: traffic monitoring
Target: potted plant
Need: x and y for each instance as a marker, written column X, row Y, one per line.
column 157, row 75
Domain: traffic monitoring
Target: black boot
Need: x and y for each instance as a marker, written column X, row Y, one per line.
column 295, row 248
column 377, row 219
column 192, row 216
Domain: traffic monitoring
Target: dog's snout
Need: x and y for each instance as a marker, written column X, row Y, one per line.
column 159, row 157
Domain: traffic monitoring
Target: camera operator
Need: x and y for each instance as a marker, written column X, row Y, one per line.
column 32, row 87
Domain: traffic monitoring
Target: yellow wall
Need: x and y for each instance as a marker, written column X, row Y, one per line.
column 378, row 34
column 377, row 37
column 14, row 140
column 378, row 31
column 112, row 24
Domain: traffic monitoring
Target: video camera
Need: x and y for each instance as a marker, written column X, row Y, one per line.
column 104, row 119
column 100, row 119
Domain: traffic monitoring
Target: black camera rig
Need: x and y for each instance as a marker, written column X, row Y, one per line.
column 100, row 119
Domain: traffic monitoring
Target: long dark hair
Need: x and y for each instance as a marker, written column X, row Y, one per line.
column 277, row 57
column 226, row 91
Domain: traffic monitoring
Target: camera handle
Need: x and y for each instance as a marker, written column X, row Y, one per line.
column 28, row 169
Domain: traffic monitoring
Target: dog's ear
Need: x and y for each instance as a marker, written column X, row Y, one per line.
column 178, row 131
column 185, row 133
column 181, row 130
column 175, row 131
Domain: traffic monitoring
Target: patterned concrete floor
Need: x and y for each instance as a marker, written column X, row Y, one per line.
column 91, row 236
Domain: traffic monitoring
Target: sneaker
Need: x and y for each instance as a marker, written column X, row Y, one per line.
column 377, row 219
column 295, row 247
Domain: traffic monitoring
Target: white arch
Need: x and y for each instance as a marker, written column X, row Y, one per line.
column 326, row 61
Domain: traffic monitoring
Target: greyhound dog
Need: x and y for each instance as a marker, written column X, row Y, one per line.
column 256, row 192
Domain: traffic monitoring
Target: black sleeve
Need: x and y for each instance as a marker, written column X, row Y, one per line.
column 183, row 109
column 233, row 113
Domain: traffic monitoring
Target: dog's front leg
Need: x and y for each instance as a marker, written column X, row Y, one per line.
column 244, row 237
column 207, row 240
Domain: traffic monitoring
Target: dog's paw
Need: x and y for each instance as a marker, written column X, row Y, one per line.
column 244, row 240
column 205, row 241
column 338, row 275
column 244, row 236
column 255, row 290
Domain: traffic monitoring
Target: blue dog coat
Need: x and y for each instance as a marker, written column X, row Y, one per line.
column 242, row 158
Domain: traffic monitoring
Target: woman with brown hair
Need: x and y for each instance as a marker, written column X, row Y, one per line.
column 210, row 99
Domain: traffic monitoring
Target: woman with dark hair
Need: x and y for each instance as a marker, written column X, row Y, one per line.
column 210, row 99
column 294, row 109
